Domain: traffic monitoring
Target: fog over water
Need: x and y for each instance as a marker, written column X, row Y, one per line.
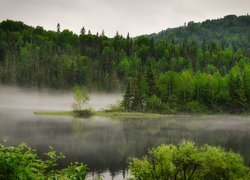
column 105, row 144
column 21, row 98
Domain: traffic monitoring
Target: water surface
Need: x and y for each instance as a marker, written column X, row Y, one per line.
column 106, row 144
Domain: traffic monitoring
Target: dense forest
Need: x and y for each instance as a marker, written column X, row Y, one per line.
column 229, row 31
column 162, row 75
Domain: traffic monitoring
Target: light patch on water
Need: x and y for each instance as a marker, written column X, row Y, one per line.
column 121, row 175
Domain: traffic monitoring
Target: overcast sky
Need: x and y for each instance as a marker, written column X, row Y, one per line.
column 134, row 16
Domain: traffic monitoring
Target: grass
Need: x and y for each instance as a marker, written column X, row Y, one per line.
column 100, row 113
column 55, row 113
column 126, row 114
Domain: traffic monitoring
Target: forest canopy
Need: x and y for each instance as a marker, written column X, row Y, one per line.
column 158, row 73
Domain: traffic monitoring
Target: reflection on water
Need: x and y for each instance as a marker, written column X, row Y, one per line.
column 105, row 144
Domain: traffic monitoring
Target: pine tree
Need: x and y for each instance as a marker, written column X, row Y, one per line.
column 103, row 33
column 137, row 101
column 58, row 27
column 246, row 79
column 128, row 45
column 237, row 93
column 127, row 98
column 83, row 31
column 151, row 80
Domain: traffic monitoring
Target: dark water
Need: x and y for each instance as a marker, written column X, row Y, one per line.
column 105, row 144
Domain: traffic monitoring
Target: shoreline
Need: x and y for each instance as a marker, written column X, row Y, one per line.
column 100, row 113
column 127, row 114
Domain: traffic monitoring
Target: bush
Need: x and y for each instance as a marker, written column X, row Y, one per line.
column 118, row 107
column 195, row 107
column 83, row 113
column 188, row 161
column 22, row 162
column 154, row 104
column 80, row 96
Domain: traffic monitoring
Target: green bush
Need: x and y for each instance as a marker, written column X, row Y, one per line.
column 83, row 113
column 188, row 161
column 22, row 162
column 195, row 107
column 154, row 104
column 76, row 171
column 118, row 107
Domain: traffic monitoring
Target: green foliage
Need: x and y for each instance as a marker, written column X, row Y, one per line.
column 83, row 113
column 212, row 71
column 195, row 107
column 237, row 92
column 81, row 97
column 188, row 161
column 128, row 98
column 230, row 31
column 22, row 162
column 154, row 104
column 76, row 171
column 115, row 107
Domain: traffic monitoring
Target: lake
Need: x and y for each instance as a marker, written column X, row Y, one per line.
column 105, row 144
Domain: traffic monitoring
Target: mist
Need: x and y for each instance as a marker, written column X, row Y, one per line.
column 34, row 99
column 106, row 143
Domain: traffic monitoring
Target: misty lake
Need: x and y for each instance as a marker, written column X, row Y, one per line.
column 104, row 143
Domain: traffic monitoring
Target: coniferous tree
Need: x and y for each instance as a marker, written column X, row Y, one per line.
column 58, row 27
column 237, row 93
column 246, row 79
column 138, row 94
column 152, row 88
column 83, row 31
column 127, row 98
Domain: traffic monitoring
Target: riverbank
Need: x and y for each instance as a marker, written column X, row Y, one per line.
column 99, row 113
column 107, row 113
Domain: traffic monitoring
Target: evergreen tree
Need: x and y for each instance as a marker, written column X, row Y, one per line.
column 237, row 93
column 103, row 33
column 246, row 79
column 127, row 98
column 83, row 31
column 138, row 94
column 58, row 27
column 152, row 88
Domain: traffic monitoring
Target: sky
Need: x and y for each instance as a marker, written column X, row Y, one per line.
column 134, row 16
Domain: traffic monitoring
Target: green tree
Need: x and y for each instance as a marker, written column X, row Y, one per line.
column 127, row 98
column 188, row 161
column 152, row 88
column 81, row 97
column 237, row 93
column 58, row 27
column 83, row 31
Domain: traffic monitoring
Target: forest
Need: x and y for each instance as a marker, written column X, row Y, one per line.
column 228, row 31
column 164, row 75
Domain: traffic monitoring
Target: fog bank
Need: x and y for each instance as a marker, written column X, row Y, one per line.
column 30, row 99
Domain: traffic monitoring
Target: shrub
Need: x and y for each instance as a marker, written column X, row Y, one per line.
column 80, row 96
column 154, row 104
column 118, row 107
column 22, row 162
column 188, row 161
column 83, row 113
column 195, row 107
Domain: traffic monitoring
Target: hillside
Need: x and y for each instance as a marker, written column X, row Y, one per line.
column 230, row 31
column 161, row 76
